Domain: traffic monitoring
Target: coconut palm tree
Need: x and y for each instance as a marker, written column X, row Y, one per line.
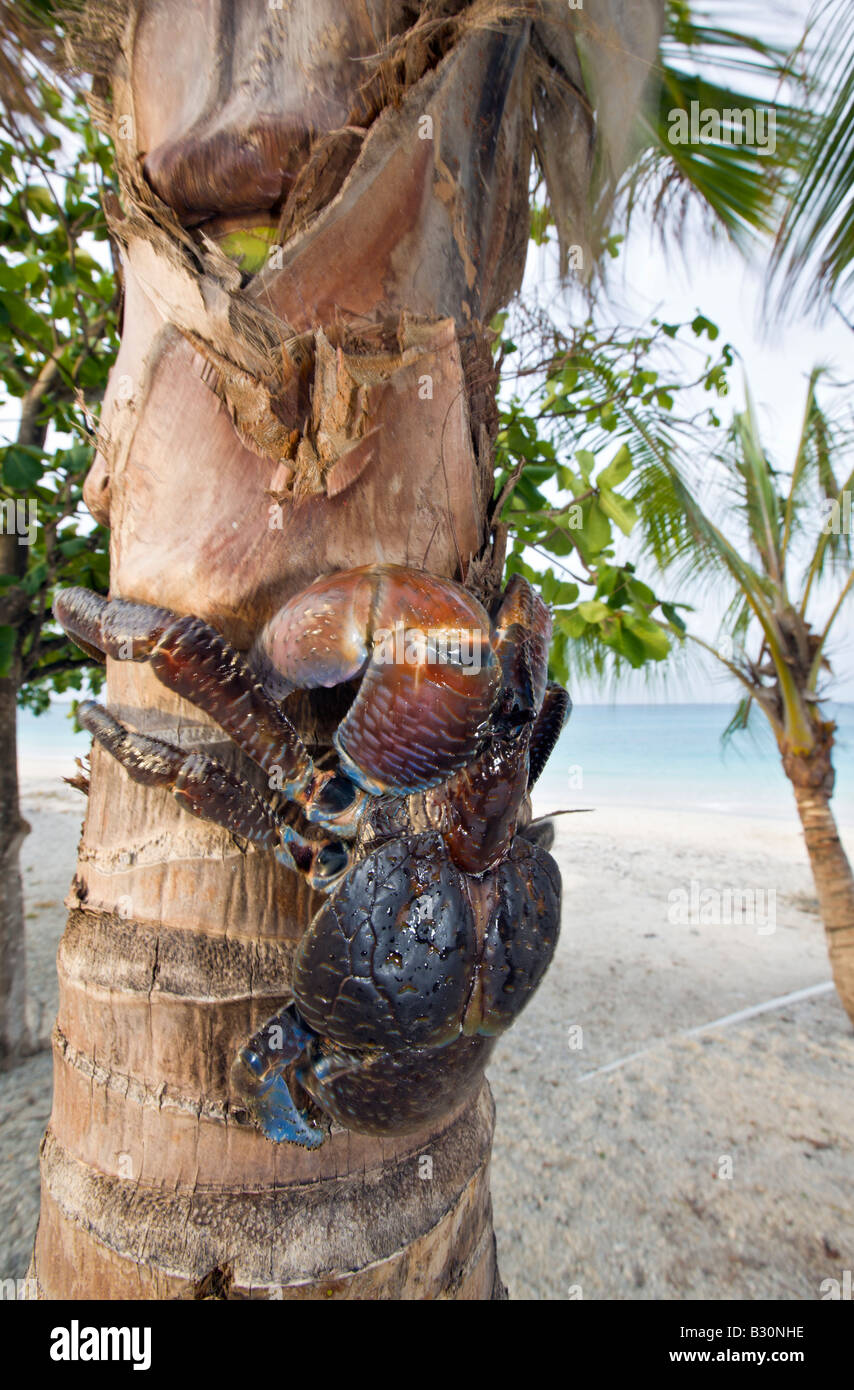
column 783, row 552
column 732, row 183
column 321, row 209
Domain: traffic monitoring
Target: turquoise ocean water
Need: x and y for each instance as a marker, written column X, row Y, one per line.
column 671, row 756
column 663, row 756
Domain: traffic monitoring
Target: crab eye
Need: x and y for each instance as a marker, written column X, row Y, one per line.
column 338, row 793
column 332, row 860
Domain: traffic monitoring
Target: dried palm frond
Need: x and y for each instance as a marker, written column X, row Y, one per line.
column 29, row 44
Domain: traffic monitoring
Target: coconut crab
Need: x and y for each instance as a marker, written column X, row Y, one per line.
column 441, row 915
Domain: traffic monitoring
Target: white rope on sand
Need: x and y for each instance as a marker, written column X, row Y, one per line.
column 723, row 1022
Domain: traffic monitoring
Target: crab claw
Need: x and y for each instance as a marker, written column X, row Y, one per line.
column 422, row 649
column 258, row 1074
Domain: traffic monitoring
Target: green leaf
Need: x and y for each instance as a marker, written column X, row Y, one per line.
column 75, row 545
column 620, row 510
column 249, row 247
column 19, row 277
column 625, row 642
column 702, row 325
column 39, row 200
column 22, row 467
column 617, row 470
column 596, row 532
column 571, row 623
column 594, row 611
column 653, row 638
column 672, row 616
column 557, row 591
column 558, row 661
column 541, row 220
column 641, row 593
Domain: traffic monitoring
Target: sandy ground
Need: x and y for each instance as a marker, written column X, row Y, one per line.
column 631, row 1161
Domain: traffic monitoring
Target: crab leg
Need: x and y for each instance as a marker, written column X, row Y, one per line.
column 191, row 658
column 523, row 629
column 205, row 788
column 110, row 627
column 555, row 711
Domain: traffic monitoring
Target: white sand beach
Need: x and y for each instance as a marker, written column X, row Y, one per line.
column 611, row 1181
column 611, row 1162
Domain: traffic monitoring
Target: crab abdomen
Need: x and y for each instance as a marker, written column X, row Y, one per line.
column 523, row 899
column 411, row 953
column 396, row 1092
column 387, row 961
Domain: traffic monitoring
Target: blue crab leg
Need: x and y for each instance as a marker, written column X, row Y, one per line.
column 191, row 658
column 205, row 788
column 258, row 1075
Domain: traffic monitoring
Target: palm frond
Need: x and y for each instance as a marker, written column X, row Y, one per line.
column 740, row 720
column 812, row 455
column 821, row 645
column 813, row 257
column 761, row 502
column 733, row 180
column 833, row 544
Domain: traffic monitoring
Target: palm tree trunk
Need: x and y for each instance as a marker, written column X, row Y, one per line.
column 14, row 1032
column 834, row 885
column 336, row 409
